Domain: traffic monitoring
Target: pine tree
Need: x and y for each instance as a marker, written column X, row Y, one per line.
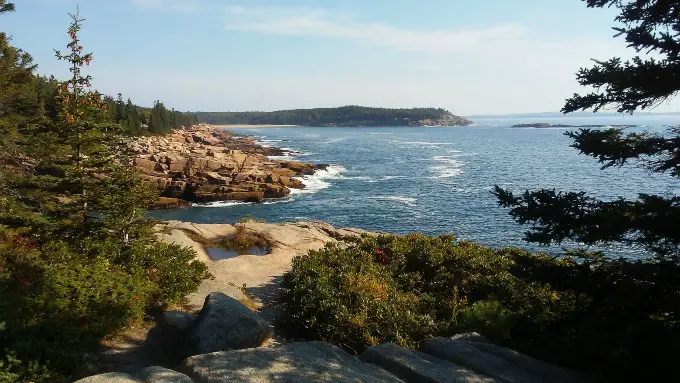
column 78, row 258
column 651, row 221
column 19, row 99
column 120, row 109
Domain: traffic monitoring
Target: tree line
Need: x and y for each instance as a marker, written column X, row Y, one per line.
column 341, row 116
column 138, row 120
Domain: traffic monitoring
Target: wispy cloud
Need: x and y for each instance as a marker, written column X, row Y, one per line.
column 183, row 6
column 323, row 24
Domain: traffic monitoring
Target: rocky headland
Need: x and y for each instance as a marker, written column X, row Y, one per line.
column 207, row 164
column 547, row 125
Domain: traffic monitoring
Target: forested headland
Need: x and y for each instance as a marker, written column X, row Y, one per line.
column 341, row 116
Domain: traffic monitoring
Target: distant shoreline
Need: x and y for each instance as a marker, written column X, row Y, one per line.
column 251, row 126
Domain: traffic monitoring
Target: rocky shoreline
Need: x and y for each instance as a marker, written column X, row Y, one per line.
column 206, row 163
column 547, row 125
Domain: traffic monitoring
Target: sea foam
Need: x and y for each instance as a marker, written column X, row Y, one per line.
column 318, row 181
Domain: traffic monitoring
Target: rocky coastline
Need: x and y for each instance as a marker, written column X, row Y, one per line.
column 547, row 125
column 206, row 163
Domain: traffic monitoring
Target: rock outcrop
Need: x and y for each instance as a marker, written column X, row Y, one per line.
column 207, row 164
column 294, row 362
column 226, row 324
column 415, row 366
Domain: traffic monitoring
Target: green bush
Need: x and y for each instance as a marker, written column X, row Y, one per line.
column 406, row 289
column 57, row 304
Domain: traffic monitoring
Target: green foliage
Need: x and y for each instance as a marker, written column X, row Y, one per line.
column 243, row 241
column 79, row 260
column 343, row 116
column 6, row 7
column 611, row 317
column 250, row 218
column 641, row 83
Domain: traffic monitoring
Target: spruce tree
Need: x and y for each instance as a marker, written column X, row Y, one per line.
column 650, row 221
column 19, row 99
column 79, row 260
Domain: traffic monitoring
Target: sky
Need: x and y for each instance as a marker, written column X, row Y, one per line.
column 470, row 57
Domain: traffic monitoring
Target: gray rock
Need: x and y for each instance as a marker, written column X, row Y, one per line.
column 293, row 362
column 415, row 366
column 470, row 336
column 226, row 324
column 545, row 372
column 464, row 354
column 111, row 377
column 176, row 320
column 157, row 374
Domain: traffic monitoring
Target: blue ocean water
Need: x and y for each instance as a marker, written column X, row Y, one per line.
column 437, row 180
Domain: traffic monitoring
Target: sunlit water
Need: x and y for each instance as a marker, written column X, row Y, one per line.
column 436, row 180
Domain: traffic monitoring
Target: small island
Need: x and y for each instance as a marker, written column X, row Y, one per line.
column 346, row 116
column 547, row 125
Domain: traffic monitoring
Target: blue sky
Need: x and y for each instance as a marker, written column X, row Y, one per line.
column 471, row 57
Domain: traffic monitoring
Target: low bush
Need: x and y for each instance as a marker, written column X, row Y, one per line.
column 244, row 240
column 406, row 289
column 57, row 304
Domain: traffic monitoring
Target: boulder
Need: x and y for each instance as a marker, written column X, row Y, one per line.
column 250, row 196
column 157, row 374
column 226, row 324
column 294, row 362
column 145, row 164
column 415, row 366
column 176, row 321
column 464, row 354
column 111, row 377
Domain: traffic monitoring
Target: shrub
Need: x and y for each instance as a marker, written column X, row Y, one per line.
column 57, row 304
column 243, row 241
column 406, row 289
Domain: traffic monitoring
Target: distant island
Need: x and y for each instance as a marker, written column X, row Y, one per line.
column 547, row 125
column 348, row 116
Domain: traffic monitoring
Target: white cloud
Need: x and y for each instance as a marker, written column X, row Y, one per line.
column 321, row 23
column 183, row 6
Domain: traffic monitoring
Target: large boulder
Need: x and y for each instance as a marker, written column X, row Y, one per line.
column 294, row 362
column 464, row 354
column 415, row 366
column 157, row 374
column 226, row 324
column 111, row 377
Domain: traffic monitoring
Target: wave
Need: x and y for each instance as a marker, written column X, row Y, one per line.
column 317, row 181
column 425, row 143
column 223, row 204
column 450, row 167
column 334, row 140
column 395, row 198
column 241, row 203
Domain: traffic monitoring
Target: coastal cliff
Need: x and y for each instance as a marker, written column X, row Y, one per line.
column 346, row 116
column 206, row 164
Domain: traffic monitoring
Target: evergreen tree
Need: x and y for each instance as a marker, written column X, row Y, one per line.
column 19, row 99
column 651, row 221
column 78, row 258
column 120, row 109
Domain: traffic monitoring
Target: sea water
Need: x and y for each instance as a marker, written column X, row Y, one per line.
column 438, row 179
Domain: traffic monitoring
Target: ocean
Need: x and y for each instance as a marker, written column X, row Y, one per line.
column 438, row 180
